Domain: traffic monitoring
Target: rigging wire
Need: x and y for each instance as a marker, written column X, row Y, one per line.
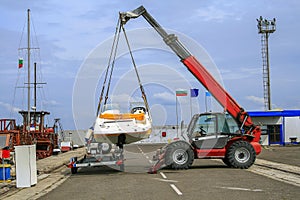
column 112, row 65
column 22, row 34
column 136, row 71
column 108, row 66
column 37, row 57
column 12, row 108
column 20, row 56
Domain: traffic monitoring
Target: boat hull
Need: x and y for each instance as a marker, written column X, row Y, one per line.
column 135, row 127
column 129, row 137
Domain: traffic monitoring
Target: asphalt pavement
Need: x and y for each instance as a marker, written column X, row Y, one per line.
column 281, row 154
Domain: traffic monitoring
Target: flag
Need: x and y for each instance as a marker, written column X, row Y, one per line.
column 20, row 63
column 207, row 94
column 194, row 92
column 181, row 93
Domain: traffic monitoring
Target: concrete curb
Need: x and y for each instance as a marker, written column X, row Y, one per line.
column 49, row 164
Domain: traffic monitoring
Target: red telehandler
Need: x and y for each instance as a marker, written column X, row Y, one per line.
column 230, row 136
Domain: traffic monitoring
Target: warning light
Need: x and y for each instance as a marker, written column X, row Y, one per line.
column 163, row 134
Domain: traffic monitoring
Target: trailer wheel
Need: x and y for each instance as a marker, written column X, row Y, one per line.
column 106, row 148
column 74, row 170
column 240, row 154
column 179, row 155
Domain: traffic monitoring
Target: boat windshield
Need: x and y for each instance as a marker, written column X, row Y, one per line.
column 111, row 107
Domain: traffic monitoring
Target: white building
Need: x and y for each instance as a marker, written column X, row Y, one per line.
column 278, row 127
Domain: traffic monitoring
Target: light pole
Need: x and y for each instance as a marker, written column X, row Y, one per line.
column 265, row 28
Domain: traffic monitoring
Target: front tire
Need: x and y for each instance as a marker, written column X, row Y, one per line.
column 226, row 162
column 179, row 155
column 240, row 154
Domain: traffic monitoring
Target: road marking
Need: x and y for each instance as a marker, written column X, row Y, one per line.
column 140, row 149
column 166, row 180
column 176, row 189
column 163, row 175
column 172, row 185
column 241, row 189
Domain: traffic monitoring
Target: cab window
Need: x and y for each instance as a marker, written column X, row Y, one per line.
column 206, row 125
column 232, row 125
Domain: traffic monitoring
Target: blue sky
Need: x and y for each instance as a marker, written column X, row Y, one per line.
column 70, row 34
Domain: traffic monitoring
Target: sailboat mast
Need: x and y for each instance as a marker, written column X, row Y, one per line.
column 35, row 83
column 28, row 64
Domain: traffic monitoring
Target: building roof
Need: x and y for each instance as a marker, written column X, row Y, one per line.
column 275, row 113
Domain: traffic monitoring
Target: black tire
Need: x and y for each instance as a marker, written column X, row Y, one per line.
column 74, row 170
column 179, row 155
column 240, row 154
column 226, row 162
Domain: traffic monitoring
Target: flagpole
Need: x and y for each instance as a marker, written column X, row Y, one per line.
column 191, row 102
column 205, row 102
column 28, row 63
column 176, row 115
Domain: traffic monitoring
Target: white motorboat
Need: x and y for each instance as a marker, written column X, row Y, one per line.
column 114, row 127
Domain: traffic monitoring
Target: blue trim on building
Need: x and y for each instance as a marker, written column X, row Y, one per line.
column 280, row 113
column 282, row 132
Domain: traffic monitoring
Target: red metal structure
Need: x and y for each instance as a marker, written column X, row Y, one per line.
column 209, row 135
column 9, row 133
column 44, row 138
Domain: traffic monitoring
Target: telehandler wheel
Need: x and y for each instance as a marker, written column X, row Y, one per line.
column 179, row 155
column 226, row 162
column 240, row 154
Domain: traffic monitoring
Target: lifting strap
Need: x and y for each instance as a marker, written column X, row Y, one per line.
column 136, row 72
column 113, row 51
column 110, row 67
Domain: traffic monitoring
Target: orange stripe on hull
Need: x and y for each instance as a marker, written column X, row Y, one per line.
column 139, row 116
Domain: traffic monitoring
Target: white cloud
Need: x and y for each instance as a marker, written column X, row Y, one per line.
column 9, row 107
column 212, row 13
column 165, row 97
column 257, row 100
column 50, row 103
column 240, row 73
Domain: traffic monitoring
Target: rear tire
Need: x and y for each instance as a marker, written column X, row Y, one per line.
column 240, row 154
column 179, row 155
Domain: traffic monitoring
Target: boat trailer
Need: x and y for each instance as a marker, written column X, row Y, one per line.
column 99, row 154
